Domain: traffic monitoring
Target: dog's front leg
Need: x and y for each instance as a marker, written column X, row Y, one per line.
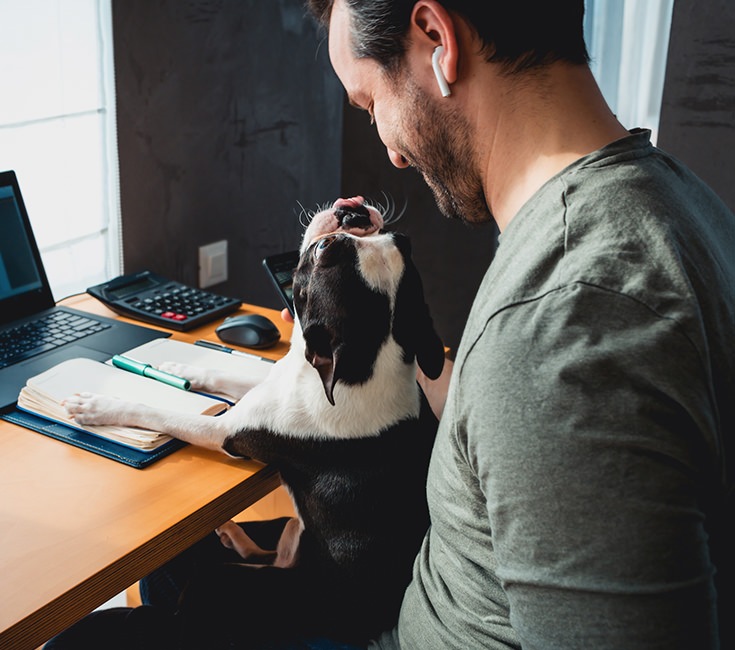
column 200, row 430
column 210, row 380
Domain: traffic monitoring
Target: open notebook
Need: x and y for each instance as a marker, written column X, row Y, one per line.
column 43, row 394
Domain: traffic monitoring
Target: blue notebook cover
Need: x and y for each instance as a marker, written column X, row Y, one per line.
column 95, row 444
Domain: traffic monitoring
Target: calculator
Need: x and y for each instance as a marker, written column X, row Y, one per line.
column 151, row 298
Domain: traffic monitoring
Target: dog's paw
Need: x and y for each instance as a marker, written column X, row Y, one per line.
column 199, row 377
column 87, row 408
column 235, row 538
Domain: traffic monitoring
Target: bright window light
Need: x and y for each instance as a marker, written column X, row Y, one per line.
column 628, row 43
column 57, row 131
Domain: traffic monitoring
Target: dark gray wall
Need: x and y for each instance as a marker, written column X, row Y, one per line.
column 698, row 108
column 229, row 117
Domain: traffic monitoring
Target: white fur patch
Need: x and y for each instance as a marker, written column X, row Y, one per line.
column 380, row 263
column 291, row 401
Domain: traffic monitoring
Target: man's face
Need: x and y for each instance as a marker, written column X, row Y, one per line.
column 417, row 129
column 437, row 142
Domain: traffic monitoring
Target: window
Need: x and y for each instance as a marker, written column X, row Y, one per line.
column 628, row 43
column 57, row 131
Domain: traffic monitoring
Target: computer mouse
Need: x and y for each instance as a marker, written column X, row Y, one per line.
column 249, row 330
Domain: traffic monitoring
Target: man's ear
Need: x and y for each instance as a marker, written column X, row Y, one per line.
column 432, row 25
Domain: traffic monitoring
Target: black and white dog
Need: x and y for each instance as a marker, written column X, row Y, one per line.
column 343, row 419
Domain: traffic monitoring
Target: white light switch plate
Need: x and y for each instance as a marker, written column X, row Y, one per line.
column 212, row 263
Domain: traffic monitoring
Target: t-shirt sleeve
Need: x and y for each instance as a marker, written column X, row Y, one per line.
column 587, row 419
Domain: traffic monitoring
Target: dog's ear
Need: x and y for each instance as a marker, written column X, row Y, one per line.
column 325, row 368
column 413, row 328
column 321, row 355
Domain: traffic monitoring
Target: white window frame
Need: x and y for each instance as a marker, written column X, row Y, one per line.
column 75, row 256
column 628, row 42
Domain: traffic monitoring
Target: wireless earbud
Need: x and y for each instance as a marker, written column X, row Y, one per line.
column 440, row 79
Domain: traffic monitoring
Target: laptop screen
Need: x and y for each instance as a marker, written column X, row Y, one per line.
column 24, row 288
column 18, row 272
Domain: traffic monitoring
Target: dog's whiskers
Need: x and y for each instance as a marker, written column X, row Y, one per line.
column 394, row 216
column 305, row 216
column 387, row 209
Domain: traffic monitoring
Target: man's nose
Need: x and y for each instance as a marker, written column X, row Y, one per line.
column 397, row 159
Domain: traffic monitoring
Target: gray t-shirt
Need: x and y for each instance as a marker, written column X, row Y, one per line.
column 581, row 450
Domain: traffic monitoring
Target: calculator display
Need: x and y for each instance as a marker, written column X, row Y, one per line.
column 131, row 289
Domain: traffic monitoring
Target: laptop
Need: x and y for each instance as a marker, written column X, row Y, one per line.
column 35, row 334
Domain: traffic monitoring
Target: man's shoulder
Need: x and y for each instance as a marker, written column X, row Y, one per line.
column 641, row 226
column 638, row 181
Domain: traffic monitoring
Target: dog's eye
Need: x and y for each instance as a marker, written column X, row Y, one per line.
column 322, row 245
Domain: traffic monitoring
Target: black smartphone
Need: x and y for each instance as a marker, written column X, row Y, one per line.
column 280, row 269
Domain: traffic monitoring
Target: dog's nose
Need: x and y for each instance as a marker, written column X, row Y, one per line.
column 353, row 215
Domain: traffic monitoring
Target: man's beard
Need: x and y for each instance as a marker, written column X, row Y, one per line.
column 441, row 150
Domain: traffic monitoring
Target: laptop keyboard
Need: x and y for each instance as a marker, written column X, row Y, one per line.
column 46, row 333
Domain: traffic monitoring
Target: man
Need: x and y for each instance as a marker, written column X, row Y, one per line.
column 579, row 483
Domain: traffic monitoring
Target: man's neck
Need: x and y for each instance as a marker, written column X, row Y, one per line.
column 538, row 127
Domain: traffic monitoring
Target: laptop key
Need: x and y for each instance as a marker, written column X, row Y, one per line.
column 27, row 354
column 30, row 339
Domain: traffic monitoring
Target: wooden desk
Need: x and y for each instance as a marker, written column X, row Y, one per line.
column 76, row 528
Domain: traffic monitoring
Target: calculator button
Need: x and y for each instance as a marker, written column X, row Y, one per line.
column 166, row 302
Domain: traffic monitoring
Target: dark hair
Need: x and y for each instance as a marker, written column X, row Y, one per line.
column 520, row 34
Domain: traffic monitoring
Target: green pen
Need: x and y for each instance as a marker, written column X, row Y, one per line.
column 147, row 370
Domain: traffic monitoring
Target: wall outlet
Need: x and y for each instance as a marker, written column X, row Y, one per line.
column 212, row 263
